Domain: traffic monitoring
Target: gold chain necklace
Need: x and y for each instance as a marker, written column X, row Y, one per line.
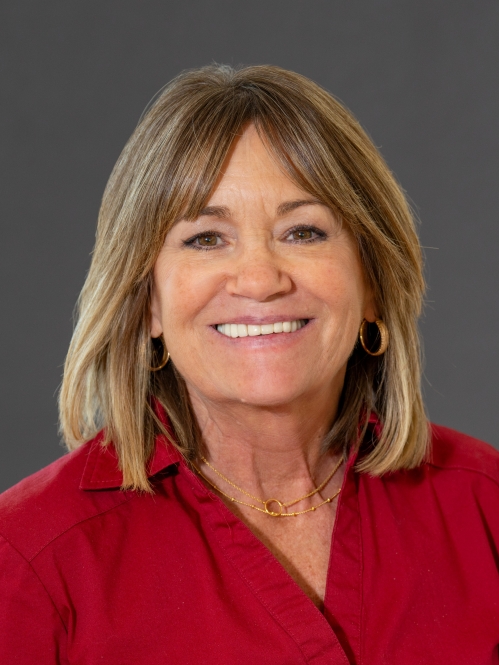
column 281, row 504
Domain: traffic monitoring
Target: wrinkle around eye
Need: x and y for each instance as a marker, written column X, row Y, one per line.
column 191, row 242
column 319, row 235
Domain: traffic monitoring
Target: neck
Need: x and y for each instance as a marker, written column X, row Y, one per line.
column 272, row 451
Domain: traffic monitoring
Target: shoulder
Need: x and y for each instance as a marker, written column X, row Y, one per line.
column 48, row 503
column 451, row 450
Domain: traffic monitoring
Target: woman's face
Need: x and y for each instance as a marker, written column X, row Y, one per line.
column 262, row 257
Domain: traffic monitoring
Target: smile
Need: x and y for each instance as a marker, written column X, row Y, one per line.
column 253, row 330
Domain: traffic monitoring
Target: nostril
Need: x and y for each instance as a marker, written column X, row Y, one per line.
column 259, row 281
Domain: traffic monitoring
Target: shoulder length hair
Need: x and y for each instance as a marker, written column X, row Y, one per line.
column 166, row 172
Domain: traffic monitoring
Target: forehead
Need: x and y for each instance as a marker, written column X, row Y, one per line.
column 251, row 169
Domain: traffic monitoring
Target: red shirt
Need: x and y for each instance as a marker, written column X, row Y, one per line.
column 91, row 574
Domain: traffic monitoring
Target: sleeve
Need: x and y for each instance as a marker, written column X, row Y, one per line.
column 31, row 629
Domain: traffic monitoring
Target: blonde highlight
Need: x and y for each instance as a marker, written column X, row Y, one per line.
column 167, row 171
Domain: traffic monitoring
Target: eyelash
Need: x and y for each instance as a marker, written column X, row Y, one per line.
column 190, row 242
column 320, row 235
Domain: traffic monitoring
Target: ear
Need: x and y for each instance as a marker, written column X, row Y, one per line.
column 370, row 309
column 156, row 325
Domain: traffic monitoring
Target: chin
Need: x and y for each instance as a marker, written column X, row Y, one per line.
column 263, row 400
column 264, row 394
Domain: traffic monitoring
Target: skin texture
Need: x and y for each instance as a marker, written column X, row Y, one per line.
column 264, row 403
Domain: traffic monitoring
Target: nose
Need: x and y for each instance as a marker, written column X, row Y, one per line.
column 258, row 275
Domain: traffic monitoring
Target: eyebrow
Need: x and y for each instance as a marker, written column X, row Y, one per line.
column 222, row 212
column 215, row 211
column 289, row 206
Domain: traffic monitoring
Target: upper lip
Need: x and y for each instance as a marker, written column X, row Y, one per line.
column 261, row 320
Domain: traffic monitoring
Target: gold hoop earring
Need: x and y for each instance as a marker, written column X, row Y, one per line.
column 164, row 359
column 383, row 334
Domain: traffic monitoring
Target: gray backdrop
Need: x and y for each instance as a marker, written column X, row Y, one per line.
column 421, row 76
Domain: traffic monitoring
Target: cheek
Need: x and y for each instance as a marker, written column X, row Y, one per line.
column 184, row 287
column 339, row 284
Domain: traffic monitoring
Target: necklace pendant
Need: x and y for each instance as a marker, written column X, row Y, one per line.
column 268, row 503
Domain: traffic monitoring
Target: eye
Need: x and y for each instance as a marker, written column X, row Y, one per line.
column 205, row 240
column 303, row 234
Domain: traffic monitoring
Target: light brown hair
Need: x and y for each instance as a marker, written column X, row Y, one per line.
column 166, row 172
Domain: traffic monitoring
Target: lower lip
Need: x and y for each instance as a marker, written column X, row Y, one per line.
column 265, row 341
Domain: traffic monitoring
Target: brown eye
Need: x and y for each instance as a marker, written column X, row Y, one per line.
column 207, row 240
column 305, row 234
column 302, row 234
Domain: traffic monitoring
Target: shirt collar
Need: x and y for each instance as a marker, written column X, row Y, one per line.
column 102, row 470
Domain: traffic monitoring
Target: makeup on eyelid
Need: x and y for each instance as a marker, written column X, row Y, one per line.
column 320, row 234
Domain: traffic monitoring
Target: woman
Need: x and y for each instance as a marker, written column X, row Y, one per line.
column 253, row 479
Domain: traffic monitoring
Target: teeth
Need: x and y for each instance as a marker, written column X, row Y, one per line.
column 252, row 330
